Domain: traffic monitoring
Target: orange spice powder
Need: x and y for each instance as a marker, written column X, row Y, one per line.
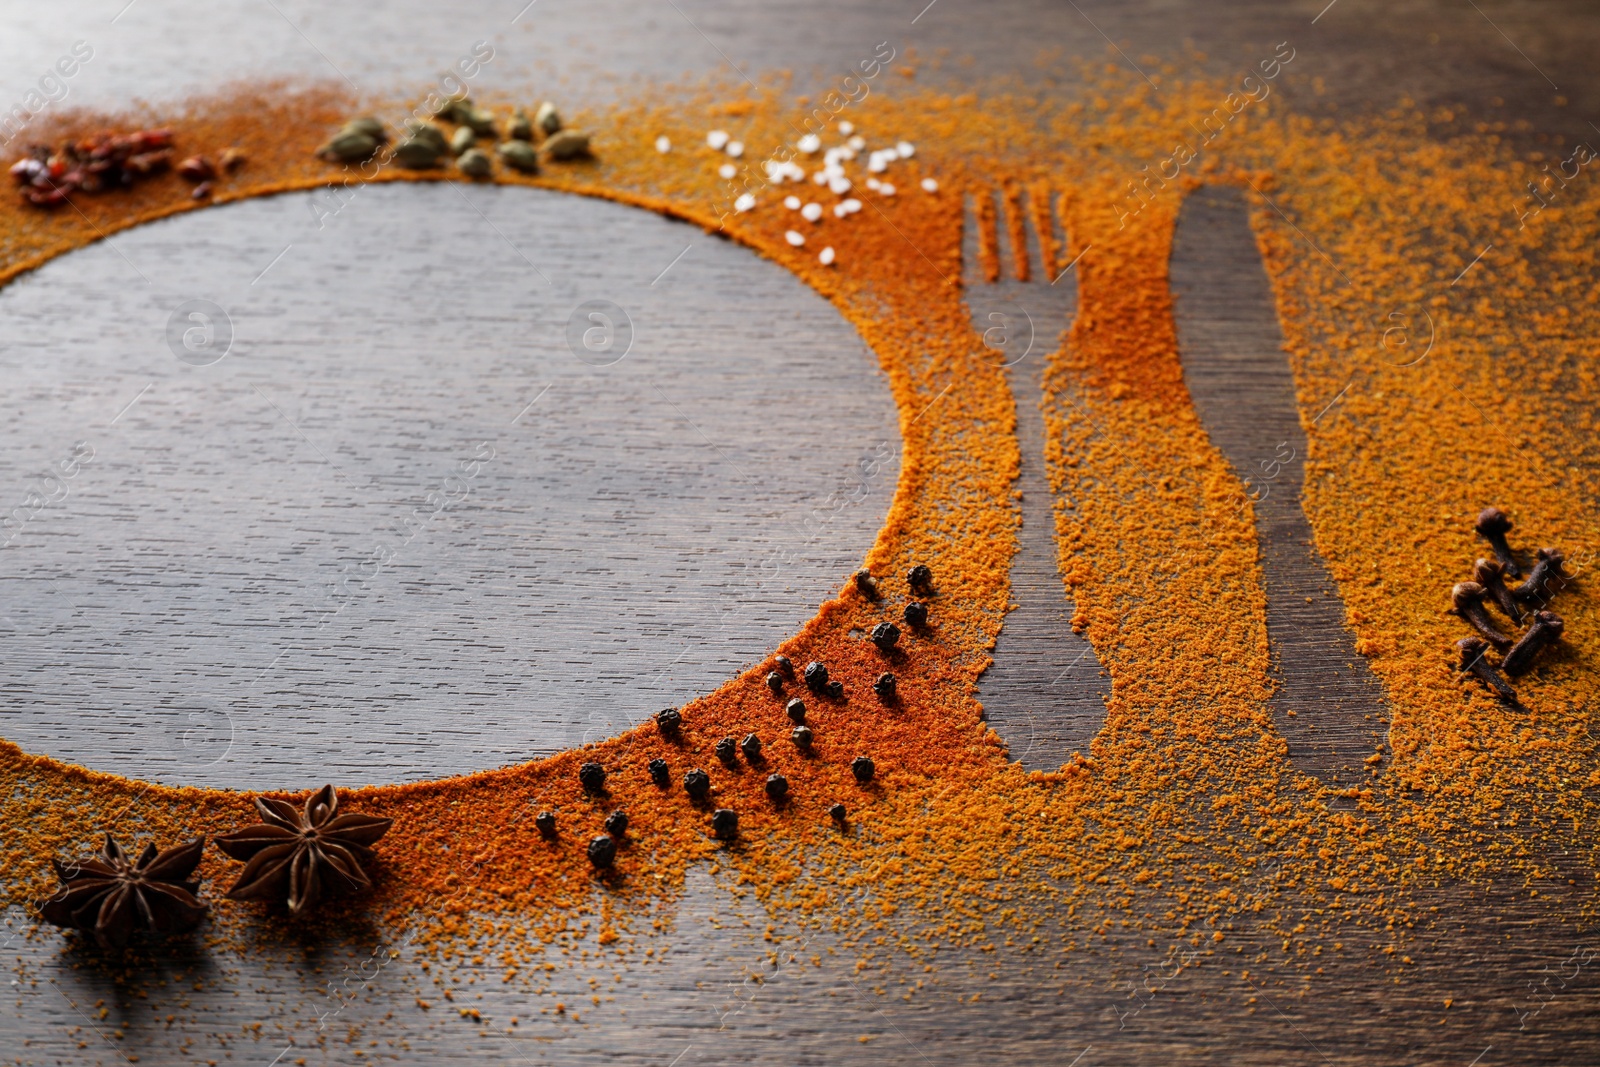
column 1188, row 788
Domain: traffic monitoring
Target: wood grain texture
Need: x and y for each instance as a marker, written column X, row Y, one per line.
column 401, row 530
column 1503, row 961
column 1328, row 704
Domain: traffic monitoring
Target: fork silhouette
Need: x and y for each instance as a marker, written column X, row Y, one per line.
column 1045, row 693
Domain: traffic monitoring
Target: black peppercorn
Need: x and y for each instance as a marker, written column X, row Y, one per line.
column 697, row 784
column 546, row 822
column 725, row 823
column 920, row 579
column 835, row 689
column 837, row 813
column 775, row 681
column 593, row 777
column 777, row 786
column 862, row 767
column 602, row 851
column 668, row 721
column 884, row 635
column 916, row 615
column 784, row 665
column 801, row 736
column 727, row 751
column 867, row 584
column 658, row 772
column 751, row 747
column 796, row 709
column 617, row 823
column 884, row 686
column 816, row 677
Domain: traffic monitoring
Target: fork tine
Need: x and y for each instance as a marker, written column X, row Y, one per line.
column 971, row 242
column 987, row 230
column 1045, row 229
column 1016, row 231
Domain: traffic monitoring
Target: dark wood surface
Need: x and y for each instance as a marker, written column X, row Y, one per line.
column 1504, row 963
column 1328, row 704
column 201, row 609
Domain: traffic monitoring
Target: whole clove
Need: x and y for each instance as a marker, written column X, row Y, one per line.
column 1491, row 575
column 1475, row 660
column 1493, row 525
column 1545, row 580
column 1541, row 633
column 1467, row 601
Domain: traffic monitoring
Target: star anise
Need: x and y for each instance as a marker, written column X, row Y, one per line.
column 113, row 896
column 294, row 855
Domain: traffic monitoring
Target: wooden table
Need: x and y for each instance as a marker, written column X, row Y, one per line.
column 202, row 599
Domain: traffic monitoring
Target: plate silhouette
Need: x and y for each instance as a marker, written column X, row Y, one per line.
column 449, row 478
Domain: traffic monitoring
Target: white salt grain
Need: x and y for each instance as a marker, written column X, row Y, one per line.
column 663, row 144
column 826, row 258
column 811, row 212
column 930, row 185
column 795, row 238
column 716, row 139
